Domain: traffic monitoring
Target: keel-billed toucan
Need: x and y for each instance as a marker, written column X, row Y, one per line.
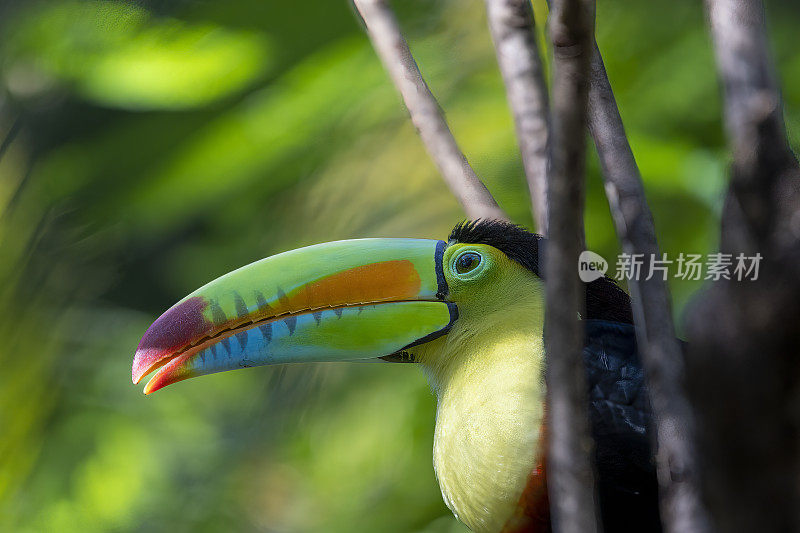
column 470, row 312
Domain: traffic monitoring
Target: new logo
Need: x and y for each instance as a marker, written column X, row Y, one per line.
column 591, row 266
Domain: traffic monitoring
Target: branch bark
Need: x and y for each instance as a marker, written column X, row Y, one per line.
column 512, row 25
column 569, row 469
column 392, row 48
column 681, row 509
column 744, row 374
column 754, row 120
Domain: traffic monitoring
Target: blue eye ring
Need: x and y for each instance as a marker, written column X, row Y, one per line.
column 467, row 262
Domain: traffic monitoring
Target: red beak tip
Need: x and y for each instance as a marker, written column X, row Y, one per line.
column 158, row 382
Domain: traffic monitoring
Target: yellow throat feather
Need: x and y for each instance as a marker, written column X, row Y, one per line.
column 488, row 375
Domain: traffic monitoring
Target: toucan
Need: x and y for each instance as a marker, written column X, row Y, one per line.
column 470, row 312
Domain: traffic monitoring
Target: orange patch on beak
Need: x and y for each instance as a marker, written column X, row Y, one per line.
column 385, row 281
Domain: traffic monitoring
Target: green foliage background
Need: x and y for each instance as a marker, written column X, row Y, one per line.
column 151, row 146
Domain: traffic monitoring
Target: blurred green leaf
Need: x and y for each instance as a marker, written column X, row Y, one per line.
column 116, row 54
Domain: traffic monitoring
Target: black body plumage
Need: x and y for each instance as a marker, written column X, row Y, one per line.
column 621, row 421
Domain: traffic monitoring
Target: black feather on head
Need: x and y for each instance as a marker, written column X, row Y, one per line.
column 516, row 242
column 605, row 300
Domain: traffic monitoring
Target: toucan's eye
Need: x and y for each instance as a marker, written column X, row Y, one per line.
column 467, row 262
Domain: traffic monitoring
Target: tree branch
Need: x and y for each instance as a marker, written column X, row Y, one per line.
column 512, row 26
column 681, row 509
column 392, row 48
column 744, row 373
column 754, row 118
column 570, row 475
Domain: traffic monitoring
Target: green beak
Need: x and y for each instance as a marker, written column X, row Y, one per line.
column 339, row 301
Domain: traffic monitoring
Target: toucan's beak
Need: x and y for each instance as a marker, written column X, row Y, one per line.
column 339, row 301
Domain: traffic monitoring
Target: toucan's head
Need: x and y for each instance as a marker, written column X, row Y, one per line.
column 399, row 300
column 344, row 301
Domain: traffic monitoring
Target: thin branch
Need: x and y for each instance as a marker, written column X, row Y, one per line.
column 569, row 468
column 681, row 509
column 512, row 25
column 392, row 48
column 744, row 373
